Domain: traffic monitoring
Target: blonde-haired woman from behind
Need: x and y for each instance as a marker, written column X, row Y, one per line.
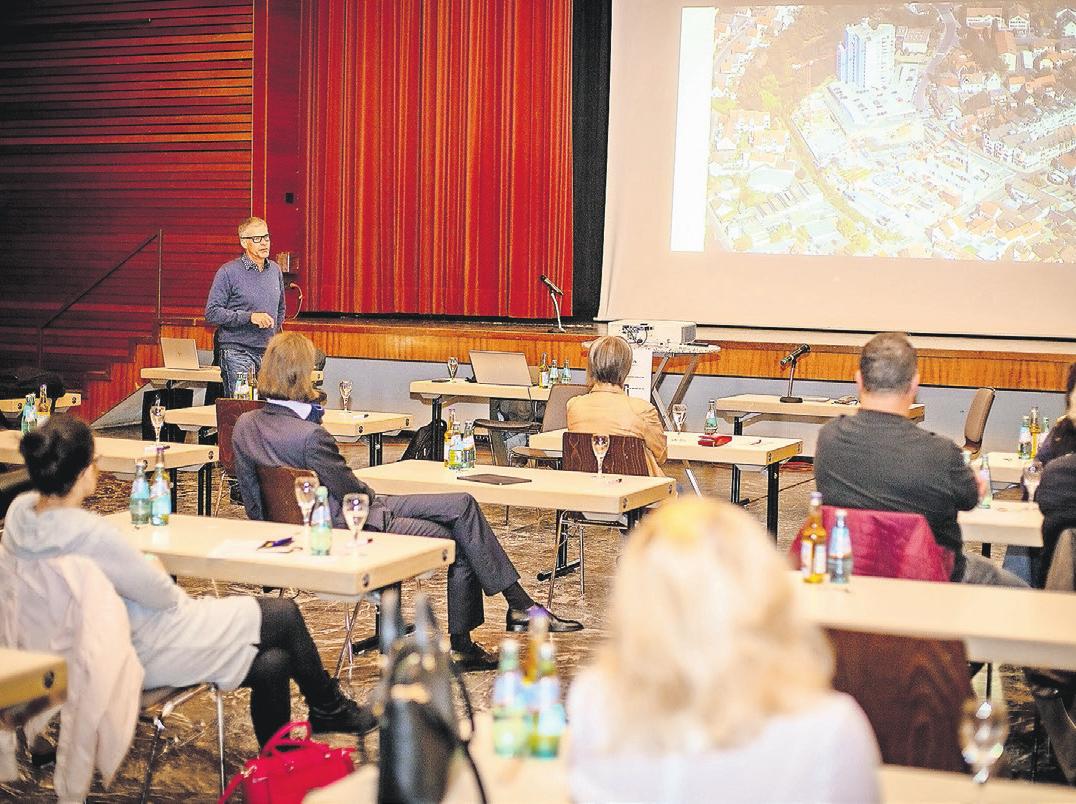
column 711, row 684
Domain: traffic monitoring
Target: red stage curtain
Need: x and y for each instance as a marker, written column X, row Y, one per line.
column 438, row 156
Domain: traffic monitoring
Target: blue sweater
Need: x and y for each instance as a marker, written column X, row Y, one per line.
column 238, row 290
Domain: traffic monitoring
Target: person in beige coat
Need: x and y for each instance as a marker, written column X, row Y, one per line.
column 607, row 409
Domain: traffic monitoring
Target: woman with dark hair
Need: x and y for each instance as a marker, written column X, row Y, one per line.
column 261, row 643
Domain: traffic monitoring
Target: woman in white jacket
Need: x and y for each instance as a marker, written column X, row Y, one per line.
column 261, row 643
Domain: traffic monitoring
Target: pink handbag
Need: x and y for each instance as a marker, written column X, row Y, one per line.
column 284, row 777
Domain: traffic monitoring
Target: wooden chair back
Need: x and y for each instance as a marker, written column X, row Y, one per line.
column 626, row 456
column 278, row 493
column 912, row 691
column 975, row 421
column 228, row 411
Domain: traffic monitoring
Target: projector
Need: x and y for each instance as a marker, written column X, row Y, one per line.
column 652, row 333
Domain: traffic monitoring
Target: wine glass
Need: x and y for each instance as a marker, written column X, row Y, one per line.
column 1031, row 476
column 156, row 418
column 453, row 367
column 305, row 490
column 983, row 729
column 599, row 442
column 356, row 508
column 345, row 394
column 679, row 412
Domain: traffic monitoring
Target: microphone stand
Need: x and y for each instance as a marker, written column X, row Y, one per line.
column 556, row 307
column 791, row 378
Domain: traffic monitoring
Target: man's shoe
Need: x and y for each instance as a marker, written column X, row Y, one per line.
column 343, row 715
column 520, row 620
column 474, row 659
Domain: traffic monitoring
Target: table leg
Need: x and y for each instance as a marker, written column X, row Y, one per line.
column 206, row 473
column 201, row 489
column 375, row 448
column 373, row 642
column 734, row 494
column 691, row 478
column 563, row 566
column 773, row 490
column 986, row 550
column 173, row 475
column 655, row 395
column 435, row 416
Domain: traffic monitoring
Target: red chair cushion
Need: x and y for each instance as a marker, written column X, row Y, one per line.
column 888, row 544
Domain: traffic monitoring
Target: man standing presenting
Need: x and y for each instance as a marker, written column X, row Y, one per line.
column 246, row 303
column 880, row 460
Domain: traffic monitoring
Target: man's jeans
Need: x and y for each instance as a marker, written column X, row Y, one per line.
column 235, row 361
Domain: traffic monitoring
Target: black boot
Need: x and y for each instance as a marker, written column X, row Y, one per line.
column 341, row 714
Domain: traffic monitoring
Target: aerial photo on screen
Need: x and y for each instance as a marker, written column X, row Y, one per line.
column 926, row 130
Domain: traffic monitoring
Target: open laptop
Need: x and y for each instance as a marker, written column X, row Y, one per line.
column 500, row 368
column 180, row 353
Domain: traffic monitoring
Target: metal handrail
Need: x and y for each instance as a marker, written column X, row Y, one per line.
column 159, row 237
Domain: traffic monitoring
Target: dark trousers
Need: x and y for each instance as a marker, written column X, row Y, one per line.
column 285, row 651
column 481, row 564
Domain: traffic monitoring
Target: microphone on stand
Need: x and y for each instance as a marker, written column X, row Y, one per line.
column 554, row 292
column 299, row 290
column 793, row 358
column 545, row 280
column 795, row 354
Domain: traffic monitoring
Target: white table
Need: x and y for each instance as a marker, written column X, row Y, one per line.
column 218, row 549
column 118, row 456
column 545, row 781
column 13, row 407
column 200, row 376
column 546, row 488
column 741, row 451
column 343, row 425
column 441, row 392
column 744, row 408
column 1004, row 522
column 1025, row 627
column 1006, row 467
column 29, row 680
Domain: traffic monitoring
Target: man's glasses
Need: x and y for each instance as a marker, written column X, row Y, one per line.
column 256, row 238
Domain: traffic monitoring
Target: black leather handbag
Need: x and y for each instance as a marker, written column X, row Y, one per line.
column 419, row 731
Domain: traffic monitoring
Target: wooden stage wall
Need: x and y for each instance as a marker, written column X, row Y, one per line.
column 434, row 342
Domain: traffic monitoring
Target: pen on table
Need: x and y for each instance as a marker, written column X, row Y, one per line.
column 278, row 543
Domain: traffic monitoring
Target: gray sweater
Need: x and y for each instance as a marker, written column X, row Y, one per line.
column 238, row 290
column 179, row 640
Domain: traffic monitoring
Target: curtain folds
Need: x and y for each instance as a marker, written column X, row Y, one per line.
column 438, row 156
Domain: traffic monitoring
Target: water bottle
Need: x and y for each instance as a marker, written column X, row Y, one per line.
column 565, row 373
column 470, row 457
column 1023, row 444
column 543, row 373
column 1036, row 427
column 554, row 373
column 510, row 733
column 984, row 475
column 840, row 550
column 710, row 425
column 44, row 406
column 242, row 386
column 321, row 524
column 28, row 420
column 160, row 493
column 140, row 504
column 549, row 717
column 253, row 383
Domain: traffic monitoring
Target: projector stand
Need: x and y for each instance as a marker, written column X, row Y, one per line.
column 556, row 306
column 791, row 378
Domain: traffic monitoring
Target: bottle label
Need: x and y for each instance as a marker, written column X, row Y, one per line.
column 819, row 560
column 805, row 558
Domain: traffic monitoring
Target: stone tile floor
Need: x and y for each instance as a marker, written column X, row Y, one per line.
column 186, row 770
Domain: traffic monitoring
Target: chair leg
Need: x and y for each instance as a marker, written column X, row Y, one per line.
column 220, row 492
column 346, row 647
column 220, row 737
column 158, row 729
column 559, row 539
column 582, row 566
column 506, row 515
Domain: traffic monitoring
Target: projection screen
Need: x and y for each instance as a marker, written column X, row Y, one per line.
column 844, row 167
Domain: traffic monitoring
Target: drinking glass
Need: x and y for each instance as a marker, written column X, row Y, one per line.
column 599, row 442
column 679, row 412
column 305, row 488
column 1031, row 477
column 453, row 367
column 356, row 508
column 156, row 418
column 345, row 394
column 983, row 729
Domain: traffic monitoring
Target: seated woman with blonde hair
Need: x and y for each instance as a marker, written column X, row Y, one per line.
column 607, row 409
column 712, row 685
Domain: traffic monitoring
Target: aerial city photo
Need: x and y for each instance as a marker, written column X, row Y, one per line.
column 928, row 130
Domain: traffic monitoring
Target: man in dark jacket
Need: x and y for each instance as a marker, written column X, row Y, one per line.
column 288, row 432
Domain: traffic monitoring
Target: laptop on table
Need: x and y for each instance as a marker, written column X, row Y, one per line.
column 501, row 368
column 180, row 353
